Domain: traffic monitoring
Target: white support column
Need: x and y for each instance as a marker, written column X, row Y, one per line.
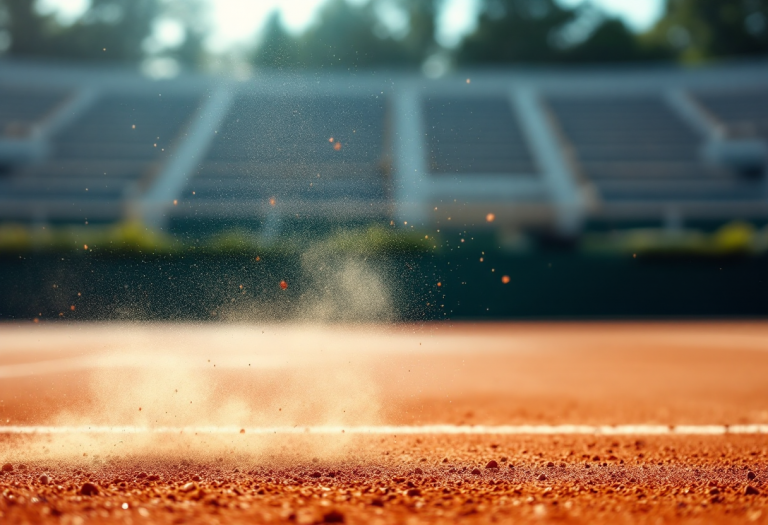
column 158, row 199
column 555, row 170
column 36, row 147
column 692, row 113
column 411, row 185
column 66, row 113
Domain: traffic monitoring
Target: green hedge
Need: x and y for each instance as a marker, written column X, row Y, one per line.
column 135, row 238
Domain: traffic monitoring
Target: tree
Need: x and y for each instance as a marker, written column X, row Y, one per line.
column 109, row 30
column 350, row 36
column 192, row 17
column 541, row 31
column 698, row 30
column 24, row 25
column 519, row 31
column 278, row 49
column 419, row 42
column 612, row 41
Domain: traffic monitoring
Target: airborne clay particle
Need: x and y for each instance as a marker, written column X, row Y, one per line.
column 492, row 464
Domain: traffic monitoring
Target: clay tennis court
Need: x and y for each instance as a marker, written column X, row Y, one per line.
column 436, row 423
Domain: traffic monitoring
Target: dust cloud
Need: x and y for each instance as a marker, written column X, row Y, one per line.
column 174, row 391
column 176, row 404
column 331, row 288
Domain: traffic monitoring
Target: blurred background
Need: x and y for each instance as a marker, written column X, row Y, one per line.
column 383, row 160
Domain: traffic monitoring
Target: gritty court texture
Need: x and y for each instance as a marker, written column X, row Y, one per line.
column 438, row 423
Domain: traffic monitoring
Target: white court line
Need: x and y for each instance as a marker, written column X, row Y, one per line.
column 546, row 430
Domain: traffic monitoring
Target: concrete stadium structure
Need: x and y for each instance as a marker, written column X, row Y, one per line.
column 550, row 150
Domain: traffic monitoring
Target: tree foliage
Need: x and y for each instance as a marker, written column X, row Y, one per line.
column 109, row 30
column 542, row 31
column 351, row 36
column 359, row 34
column 519, row 31
column 699, row 30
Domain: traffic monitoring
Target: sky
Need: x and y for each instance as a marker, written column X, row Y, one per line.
column 237, row 22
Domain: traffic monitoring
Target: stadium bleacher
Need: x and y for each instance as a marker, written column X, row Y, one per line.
column 310, row 155
column 472, row 136
column 554, row 149
column 96, row 162
column 636, row 150
column 22, row 109
column 743, row 112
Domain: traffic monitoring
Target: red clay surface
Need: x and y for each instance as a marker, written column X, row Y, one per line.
column 183, row 376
